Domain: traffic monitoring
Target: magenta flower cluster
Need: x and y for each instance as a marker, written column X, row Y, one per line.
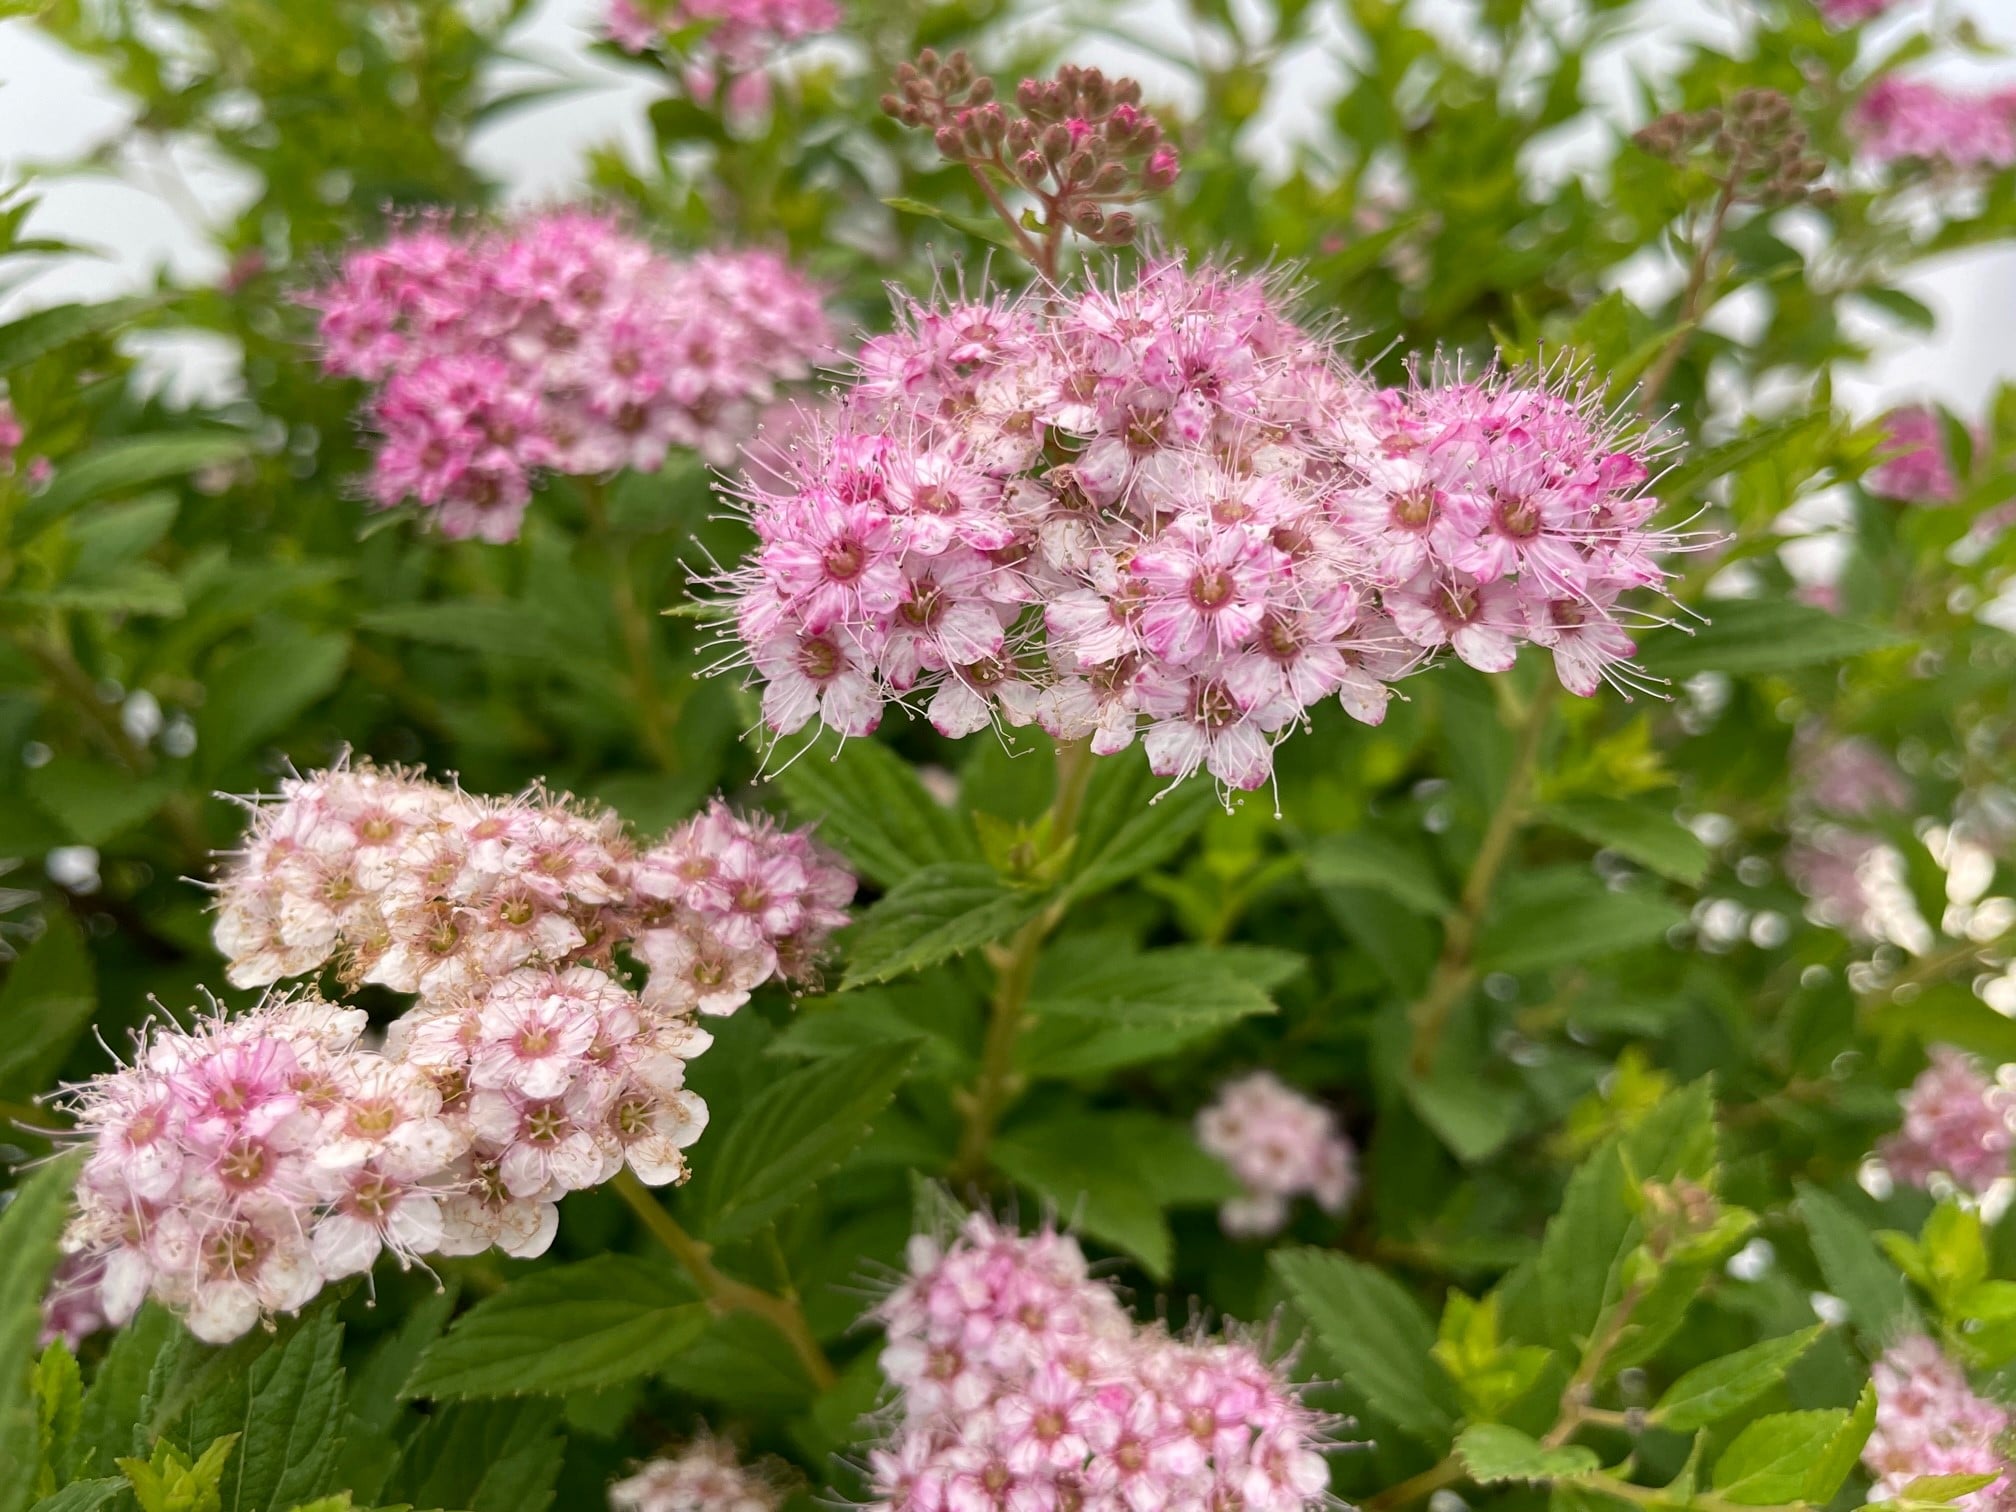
column 1164, row 510
column 738, row 34
column 1918, row 120
column 1280, row 1145
column 1853, row 12
column 237, row 1166
column 1022, row 1383
column 704, row 1476
column 1930, row 1422
column 1957, row 1124
column 560, row 343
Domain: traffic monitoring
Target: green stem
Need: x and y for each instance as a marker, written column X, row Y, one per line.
column 1661, row 372
column 724, row 1292
column 997, row 1084
column 635, row 627
column 1446, row 1472
column 1454, row 971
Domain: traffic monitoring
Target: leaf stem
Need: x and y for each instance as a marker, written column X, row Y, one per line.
column 1454, row 970
column 1661, row 372
column 635, row 627
column 724, row 1292
column 997, row 1084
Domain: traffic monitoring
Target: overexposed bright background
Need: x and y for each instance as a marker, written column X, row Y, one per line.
column 146, row 213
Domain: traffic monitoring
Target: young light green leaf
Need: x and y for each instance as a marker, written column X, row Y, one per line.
column 59, row 1401
column 935, row 913
column 1831, row 1468
column 1708, row 1393
column 1493, row 1452
column 1945, row 1488
column 870, row 806
column 572, row 1328
column 1377, row 1336
column 1773, row 1458
column 791, row 1135
column 28, row 1229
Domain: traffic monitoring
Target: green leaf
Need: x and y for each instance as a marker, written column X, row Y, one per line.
column 501, row 1456
column 572, row 1328
column 1708, row 1393
column 985, row 227
column 1945, row 1488
column 1843, row 1450
column 46, row 1002
column 1854, row 1269
column 936, row 912
column 264, row 689
column 1492, row 1452
column 120, row 466
column 1558, row 919
column 118, row 1392
column 1087, row 1170
column 82, row 1496
column 59, row 1404
column 482, row 626
column 1371, row 859
column 113, row 534
column 29, row 1226
column 745, row 1365
column 1771, row 1460
column 1642, row 832
column 1096, row 1008
column 94, row 801
column 1132, row 823
column 1707, row 464
column 38, row 334
column 128, row 588
column 288, row 1411
column 792, row 1134
column 1377, row 1336
column 1748, row 636
column 870, row 806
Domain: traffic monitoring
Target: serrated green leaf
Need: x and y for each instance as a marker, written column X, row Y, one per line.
column 1371, row 859
column 987, row 229
column 1493, row 1452
column 289, row 1413
column 46, row 1002
column 792, row 1134
column 869, row 805
column 82, row 1496
column 1945, row 1488
column 572, row 1328
column 1831, row 1468
column 1105, row 1196
column 1377, row 1336
column 59, row 1401
column 93, row 800
column 1561, row 918
column 482, row 626
column 114, row 1403
column 29, row 1226
column 495, row 1456
column 1708, row 1393
column 935, row 913
column 1748, row 636
column 120, row 466
column 1638, row 831
column 1132, row 822
column 1770, row 1461
column 1854, row 1269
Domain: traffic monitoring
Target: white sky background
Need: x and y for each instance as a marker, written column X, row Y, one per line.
column 54, row 108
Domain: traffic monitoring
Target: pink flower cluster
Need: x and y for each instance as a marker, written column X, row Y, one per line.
column 1280, row 1145
column 423, row 888
column 11, row 437
column 560, row 343
column 739, row 34
column 1852, row 12
column 705, row 1476
column 1957, row 1124
column 1929, row 1421
column 1915, row 119
column 1164, row 510
column 1024, row 1387
column 1919, row 472
column 237, row 1166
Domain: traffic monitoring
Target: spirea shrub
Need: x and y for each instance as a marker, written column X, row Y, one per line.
column 773, row 948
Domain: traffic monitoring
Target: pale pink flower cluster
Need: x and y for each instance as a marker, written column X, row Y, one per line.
column 11, row 436
column 1920, row 471
column 1847, row 775
column 560, row 343
column 1929, row 1421
column 1915, row 119
column 1851, row 12
column 1164, row 510
column 1280, row 1145
column 705, row 1476
column 1956, row 1124
column 1024, row 1387
column 422, row 888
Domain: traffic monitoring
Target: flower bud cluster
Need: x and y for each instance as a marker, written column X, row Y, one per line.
column 1023, row 1383
column 559, row 343
column 1280, row 1145
column 237, row 1166
column 1917, row 120
column 1163, row 509
column 1080, row 143
column 1957, row 1124
column 705, row 1476
column 1755, row 148
column 1930, row 1422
